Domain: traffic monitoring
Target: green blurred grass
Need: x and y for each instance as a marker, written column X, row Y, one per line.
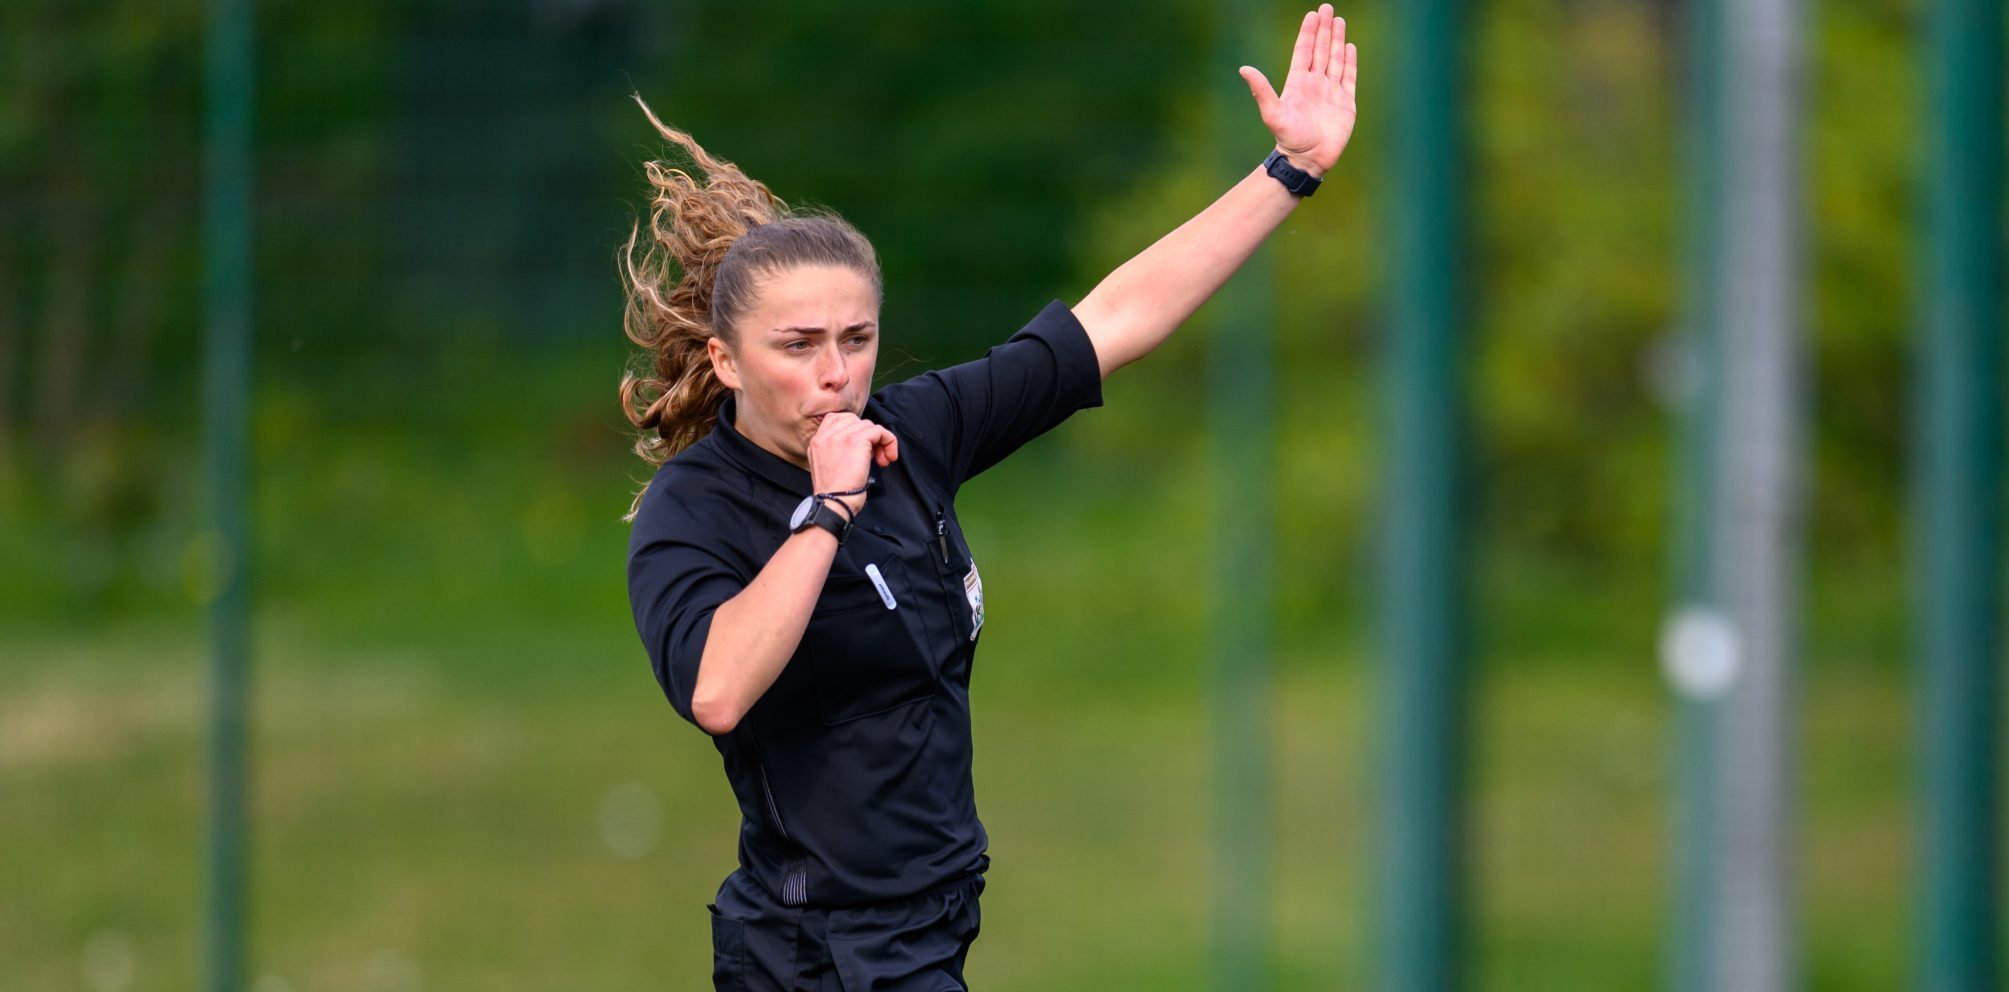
column 448, row 692
column 409, row 802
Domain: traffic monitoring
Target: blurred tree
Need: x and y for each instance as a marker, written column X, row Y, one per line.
column 96, row 154
column 499, row 169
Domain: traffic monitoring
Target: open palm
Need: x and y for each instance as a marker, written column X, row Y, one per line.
column 1313, row 117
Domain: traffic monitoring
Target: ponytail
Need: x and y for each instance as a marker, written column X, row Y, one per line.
column 668, row 277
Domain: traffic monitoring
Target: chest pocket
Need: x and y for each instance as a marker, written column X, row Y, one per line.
column 961, row 584
column 863, row 657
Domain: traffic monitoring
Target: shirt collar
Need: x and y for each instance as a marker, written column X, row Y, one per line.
column 753, row 458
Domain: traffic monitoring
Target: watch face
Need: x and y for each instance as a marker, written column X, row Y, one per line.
column 803, row 510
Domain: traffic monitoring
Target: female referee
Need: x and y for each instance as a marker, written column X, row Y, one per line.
column 796, row 568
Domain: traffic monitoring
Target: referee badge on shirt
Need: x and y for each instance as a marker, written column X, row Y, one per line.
column 973, row 590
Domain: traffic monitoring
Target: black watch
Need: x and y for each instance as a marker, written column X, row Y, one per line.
column 815, row 511
column 1298, row 181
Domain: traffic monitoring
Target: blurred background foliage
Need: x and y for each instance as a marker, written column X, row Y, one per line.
column 464, row 776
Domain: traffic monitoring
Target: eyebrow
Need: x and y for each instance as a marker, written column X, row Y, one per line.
column 861, row 325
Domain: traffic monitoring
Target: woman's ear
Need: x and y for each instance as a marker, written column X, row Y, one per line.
column 723, row 365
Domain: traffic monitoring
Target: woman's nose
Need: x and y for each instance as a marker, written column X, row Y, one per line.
column 832, row 373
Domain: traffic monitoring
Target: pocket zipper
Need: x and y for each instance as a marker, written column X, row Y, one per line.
column 795, row 874
column 766, row 790
column 942, row 534
column 773, row 811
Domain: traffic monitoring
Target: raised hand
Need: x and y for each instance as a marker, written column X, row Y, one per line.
column 1313, row 118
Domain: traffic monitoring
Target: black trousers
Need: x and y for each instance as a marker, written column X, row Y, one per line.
column 909, row 945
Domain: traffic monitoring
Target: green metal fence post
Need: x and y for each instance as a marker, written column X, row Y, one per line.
column 1424, row 613
column 1692, row 649
column 1958, row 505
column 226, row 374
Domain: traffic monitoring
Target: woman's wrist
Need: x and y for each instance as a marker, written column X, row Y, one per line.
column 1301, row 160
column 1300, row 183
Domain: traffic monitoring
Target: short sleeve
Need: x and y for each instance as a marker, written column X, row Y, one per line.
column 976, row 413
column 677, row 578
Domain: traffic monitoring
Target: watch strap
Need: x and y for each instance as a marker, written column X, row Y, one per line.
column 1298, row 181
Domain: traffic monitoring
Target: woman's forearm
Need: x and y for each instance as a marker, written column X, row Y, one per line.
column 1135, row 308
column 1140, row 304
column 754, row 633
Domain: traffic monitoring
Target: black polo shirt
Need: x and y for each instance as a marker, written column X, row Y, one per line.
column 853, row 770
